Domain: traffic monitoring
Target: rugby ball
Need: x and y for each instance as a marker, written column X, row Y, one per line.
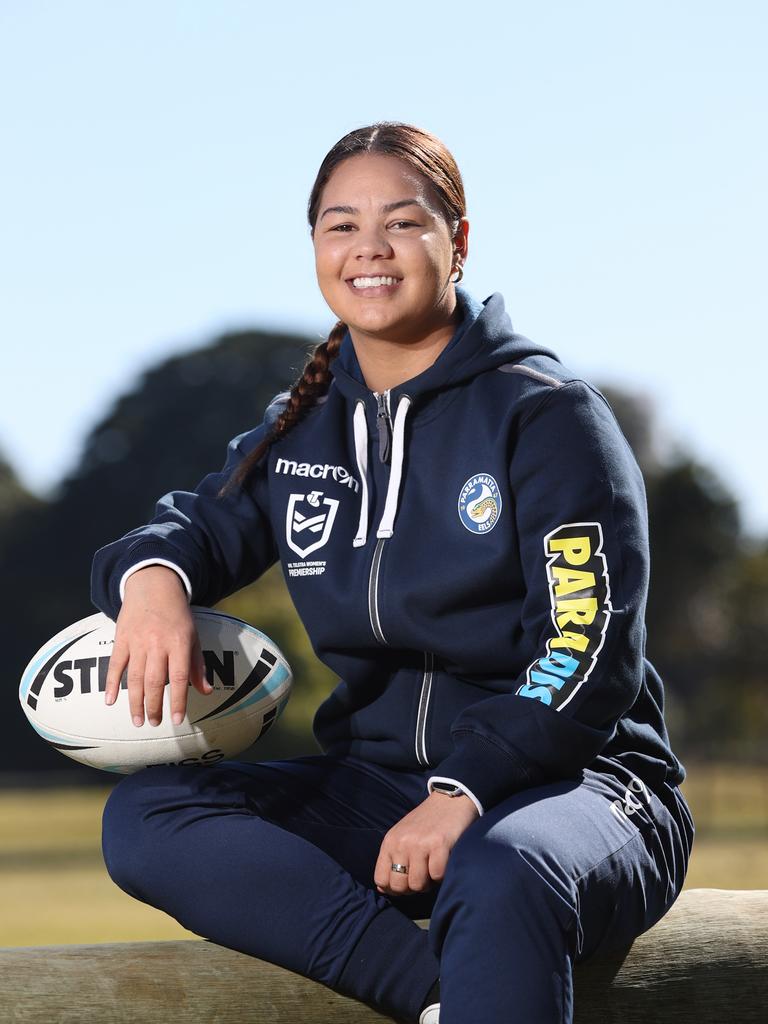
column 62, row 694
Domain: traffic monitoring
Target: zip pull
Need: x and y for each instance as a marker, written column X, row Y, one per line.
column 384, row 425
column 386, row 525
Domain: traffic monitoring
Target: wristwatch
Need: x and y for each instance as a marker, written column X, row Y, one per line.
column 448, row 788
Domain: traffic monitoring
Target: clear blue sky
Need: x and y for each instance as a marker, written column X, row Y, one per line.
column 158, row 156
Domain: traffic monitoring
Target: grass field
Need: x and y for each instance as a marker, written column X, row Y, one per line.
column 54, row 888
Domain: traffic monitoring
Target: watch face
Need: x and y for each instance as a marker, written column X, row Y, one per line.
column 448, row 787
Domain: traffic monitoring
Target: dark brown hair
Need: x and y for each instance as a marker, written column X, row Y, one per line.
column 430, row 157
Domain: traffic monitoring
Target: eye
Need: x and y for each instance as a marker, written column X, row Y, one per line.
column 341, row 227
column 405, row 223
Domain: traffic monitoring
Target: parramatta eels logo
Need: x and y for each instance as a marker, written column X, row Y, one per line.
column 316, row 517
column 580, row 594
column 480, row 503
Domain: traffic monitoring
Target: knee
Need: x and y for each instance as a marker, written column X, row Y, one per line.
column 489, row 867
column 507, row 871
column 127, row 824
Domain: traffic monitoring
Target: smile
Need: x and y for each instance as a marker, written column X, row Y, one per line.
column 374, row 282
column 378, row 287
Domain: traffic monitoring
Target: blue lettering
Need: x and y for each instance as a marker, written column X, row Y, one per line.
column 561, row 664
column 537, row 692
column 545, row 679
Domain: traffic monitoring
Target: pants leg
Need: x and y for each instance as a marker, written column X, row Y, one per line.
column 548, row 877
column 276, row 860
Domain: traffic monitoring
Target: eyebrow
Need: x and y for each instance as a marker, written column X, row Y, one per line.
column 387, row 208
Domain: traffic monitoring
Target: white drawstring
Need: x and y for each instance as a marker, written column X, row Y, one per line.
column 386, row 526
column 361, row 454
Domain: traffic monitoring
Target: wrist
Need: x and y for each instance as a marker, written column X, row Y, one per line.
column 458, row 805
column 453, row 788
column 152, row 575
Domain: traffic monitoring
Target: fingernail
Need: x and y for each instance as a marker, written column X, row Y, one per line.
column 154, row 721
column 177, row 718
column 138, row 720
column 109, row 699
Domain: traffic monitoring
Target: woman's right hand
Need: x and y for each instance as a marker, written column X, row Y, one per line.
column 157, row 639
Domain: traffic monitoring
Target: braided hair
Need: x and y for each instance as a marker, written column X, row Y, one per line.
column 431, row 158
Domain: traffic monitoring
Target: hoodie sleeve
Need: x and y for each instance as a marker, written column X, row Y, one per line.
column 581, row 517
column 217, row 545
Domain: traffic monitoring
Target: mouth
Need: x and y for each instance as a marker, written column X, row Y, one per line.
column 371, row 286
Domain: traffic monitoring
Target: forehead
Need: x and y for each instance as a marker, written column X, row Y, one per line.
column 373, row 178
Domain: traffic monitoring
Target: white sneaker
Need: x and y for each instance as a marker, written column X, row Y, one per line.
column 431, row 1015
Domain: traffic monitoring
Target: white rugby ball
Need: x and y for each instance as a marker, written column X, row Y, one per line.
column 62, row 694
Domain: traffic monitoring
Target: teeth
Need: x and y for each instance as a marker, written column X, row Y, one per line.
column 373, row 282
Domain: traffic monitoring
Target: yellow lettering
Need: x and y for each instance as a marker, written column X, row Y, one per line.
column 571, row 580
column 577, row 550
column 572, row 641
column 581, row 611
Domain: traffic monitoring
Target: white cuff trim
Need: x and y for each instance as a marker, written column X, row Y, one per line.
column 156, row 561
column 456, row 782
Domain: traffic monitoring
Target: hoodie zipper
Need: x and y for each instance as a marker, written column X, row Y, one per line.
column 385, row 429
column 384, row 424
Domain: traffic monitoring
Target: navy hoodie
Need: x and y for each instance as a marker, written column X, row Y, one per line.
column 468, row 552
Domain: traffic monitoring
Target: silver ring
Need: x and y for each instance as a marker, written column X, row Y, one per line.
column 402, row 868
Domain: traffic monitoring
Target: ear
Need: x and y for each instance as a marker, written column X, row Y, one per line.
column 461, row 239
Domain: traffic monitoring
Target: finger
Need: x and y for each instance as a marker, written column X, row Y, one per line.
column 381, row 872
column 136, row 687
column 179, row 668
column 418, row 873
column 398, row 880
column 197, row 672
column 155, row 678
column 118, row 659
column 438, row 861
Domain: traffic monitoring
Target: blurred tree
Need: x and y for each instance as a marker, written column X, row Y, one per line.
column 707, row 611
column 15, row 499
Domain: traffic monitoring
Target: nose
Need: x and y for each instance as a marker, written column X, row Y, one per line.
column 371, row 243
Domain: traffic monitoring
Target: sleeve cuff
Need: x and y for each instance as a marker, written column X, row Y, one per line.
column 456, row 782
column 491, row 772
column 156, row 561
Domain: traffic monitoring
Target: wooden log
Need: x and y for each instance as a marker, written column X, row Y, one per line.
column 705, row 961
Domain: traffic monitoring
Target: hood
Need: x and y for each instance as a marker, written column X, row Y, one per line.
column 483, row 340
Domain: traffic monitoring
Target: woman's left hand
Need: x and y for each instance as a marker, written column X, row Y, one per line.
column 422, row 840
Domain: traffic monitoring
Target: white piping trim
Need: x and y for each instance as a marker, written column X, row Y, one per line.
column 528, row 371
column 361, row 454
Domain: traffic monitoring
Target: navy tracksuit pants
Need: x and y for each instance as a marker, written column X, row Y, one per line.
column 276, row 860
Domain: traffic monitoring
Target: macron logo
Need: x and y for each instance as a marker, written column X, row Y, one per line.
column 318, row 471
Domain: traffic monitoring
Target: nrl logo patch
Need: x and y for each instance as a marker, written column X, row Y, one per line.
column 309, row 521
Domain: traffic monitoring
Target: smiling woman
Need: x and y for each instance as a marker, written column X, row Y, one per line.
column 389, row 278
column 462, row 528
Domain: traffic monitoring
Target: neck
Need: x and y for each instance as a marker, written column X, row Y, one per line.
column 385, row 363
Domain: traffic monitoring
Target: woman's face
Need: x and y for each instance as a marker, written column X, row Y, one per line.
column 391, row 227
